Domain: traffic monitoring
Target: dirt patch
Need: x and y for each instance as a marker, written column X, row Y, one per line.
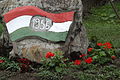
column 7, row 75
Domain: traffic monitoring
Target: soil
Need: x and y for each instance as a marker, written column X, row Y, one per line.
column 8, row 75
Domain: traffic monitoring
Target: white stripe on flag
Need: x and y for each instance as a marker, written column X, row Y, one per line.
column 24, row 21
column 17, row 23
column 60, row 27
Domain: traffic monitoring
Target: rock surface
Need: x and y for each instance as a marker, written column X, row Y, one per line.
column 76, row 40
column 34, row 48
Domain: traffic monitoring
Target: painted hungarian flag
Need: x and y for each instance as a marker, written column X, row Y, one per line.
column 31, row 21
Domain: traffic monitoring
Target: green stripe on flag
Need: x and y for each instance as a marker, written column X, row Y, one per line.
column 26, row 31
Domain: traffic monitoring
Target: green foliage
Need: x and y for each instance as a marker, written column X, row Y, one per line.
column 1, row 28
column 117, row 51
column 102, row 53
column 13, row 66
column 49, row 75
column 9, row 65
column 56, row 63
column 106, row 13
column 104, row 24
column 95, row 72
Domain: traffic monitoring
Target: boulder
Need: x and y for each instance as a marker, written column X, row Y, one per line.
column 38, row 26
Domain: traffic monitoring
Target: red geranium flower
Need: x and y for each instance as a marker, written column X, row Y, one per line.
column 113, row 57
column 107, row 45
column 77, row 62
column 49, row 54
column 83, row 55
column 24, row 67
column 89, row 60
column 99, row 44
column 90, row 49
column 24, row 60
column 2, row 61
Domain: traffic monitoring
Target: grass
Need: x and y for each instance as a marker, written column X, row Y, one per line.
column 104, row 24
column 108, row 72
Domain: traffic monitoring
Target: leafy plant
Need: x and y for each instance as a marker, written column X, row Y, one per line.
column 102, row 53
column 24, row 64
column 5, row 63
column 49, row 75
column 55, row 61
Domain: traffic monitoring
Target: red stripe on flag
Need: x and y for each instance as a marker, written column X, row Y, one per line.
column 32, row 10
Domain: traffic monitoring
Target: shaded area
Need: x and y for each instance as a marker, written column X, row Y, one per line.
column 1, row 28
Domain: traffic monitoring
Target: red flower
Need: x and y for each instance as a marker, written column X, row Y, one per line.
column 49, row 55
column 24, row 60
column 77, row 62
column 89, row 60
column 113, row 57
column 90, row 49
column 24, row 67
column 2, row 61
column 107, row 45
column 99, row 44
column 82, row 55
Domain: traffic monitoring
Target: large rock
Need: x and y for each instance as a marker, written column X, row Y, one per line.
column 76, row 40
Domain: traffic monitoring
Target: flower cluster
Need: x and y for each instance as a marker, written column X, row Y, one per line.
column 25, row 64
column 113, row 57
column 97, row 54
column 102, row 53
column 90, row 49
column 2, row 61
column 24, row 61
column 88, row 60
column 77, row 62
column 49, row 54
column 105, row 45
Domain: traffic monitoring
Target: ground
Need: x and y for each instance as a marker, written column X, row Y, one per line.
column 101, row 72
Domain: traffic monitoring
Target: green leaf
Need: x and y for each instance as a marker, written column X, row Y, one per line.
column 62, row 65
column 95, row 57
column 51, row 64
column 102, row 53
column 104, row 18
column 112, row 15
column 103, row 14
column 58, row 69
